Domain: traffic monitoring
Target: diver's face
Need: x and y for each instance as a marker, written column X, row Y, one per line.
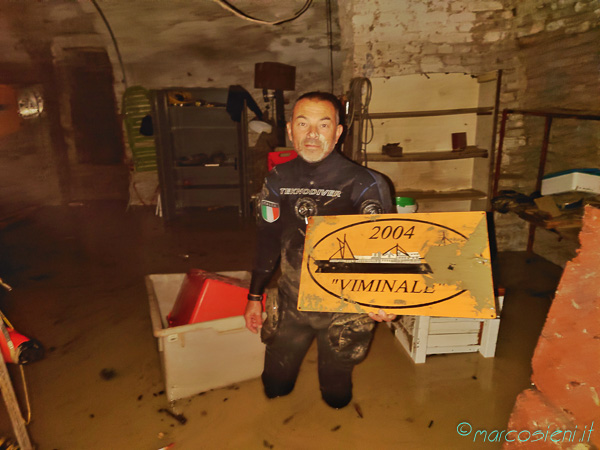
column 313, row 129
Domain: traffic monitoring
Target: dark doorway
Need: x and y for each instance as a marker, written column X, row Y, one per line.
column 97, row 131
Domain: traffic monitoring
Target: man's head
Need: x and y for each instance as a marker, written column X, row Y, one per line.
column 314, row 128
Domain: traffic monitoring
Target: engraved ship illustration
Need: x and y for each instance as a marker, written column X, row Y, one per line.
column 394, row 260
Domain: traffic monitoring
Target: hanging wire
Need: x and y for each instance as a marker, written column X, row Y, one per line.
column 238, row 12
column 361, row 90
column 114, row 40
column 330, row 38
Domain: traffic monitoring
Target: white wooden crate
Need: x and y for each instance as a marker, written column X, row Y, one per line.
column 200, row 356
column 422, row 335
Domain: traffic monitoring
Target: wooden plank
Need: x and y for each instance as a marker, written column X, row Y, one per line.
column 455, row 349
column 445, row 196
column 489, row 337
column 439, row 112
column 452, row 340
column 429, row 156
column 558, row 113
column 420, row 340
column 453, row 320
column 488, row 76
column 458, row 327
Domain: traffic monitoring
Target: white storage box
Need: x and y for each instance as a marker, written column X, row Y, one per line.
column 584, row 180
column 201, row 356
column 422, row 335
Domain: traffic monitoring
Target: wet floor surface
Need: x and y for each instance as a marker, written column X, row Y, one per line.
column 78, row 278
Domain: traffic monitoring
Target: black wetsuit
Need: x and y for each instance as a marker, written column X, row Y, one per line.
column 293, row 191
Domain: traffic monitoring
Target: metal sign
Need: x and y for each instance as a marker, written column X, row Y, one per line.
column 429, row 264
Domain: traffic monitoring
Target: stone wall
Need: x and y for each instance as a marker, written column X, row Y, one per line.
column 547, row 50
column 556, row 45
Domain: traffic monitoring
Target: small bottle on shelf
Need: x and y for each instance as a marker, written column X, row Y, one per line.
column 406, row 205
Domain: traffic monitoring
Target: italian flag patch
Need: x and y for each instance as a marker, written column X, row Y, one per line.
column 269, row 211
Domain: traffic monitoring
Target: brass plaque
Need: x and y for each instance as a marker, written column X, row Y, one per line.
column 428, row 264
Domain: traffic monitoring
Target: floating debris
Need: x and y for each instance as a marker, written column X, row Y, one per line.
column 178, row 417
column 108, row 374
column 358, row 410
column 337, row 427
column 286, row 421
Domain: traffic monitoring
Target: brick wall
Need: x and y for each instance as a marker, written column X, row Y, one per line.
column 566, row 362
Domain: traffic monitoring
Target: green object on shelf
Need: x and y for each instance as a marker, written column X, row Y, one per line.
column 406, row 205
column 405, row 201
column 136, row 106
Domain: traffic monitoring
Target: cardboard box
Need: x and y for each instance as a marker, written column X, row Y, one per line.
column 583, row 180
column 201, row 356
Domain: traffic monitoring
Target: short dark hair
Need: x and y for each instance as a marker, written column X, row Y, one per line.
column 323, row 97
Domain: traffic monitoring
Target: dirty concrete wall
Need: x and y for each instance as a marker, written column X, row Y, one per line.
column 162, row 44
column 200, row 44
column 43, row 168
column 547, row 50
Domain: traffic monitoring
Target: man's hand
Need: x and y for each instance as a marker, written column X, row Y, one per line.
column 253, row 316
column 381, row 316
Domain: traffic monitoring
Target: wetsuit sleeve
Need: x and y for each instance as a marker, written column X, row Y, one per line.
column 268, row 242
column 378, row 189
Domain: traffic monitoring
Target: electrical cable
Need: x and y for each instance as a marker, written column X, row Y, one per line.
column 238, row 12
column 361, row 90
column 330, row 38
column 114, row 40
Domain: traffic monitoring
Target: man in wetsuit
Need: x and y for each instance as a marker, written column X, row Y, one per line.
column 320, row 182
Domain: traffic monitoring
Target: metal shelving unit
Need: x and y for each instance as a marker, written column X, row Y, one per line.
column 201, row 151
column 534, row 221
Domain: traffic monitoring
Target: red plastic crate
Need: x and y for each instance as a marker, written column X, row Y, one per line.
column 278, row 157
column 208, row 296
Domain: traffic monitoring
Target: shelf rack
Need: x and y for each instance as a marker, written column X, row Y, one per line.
column 420, row 100
column 549, row 116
